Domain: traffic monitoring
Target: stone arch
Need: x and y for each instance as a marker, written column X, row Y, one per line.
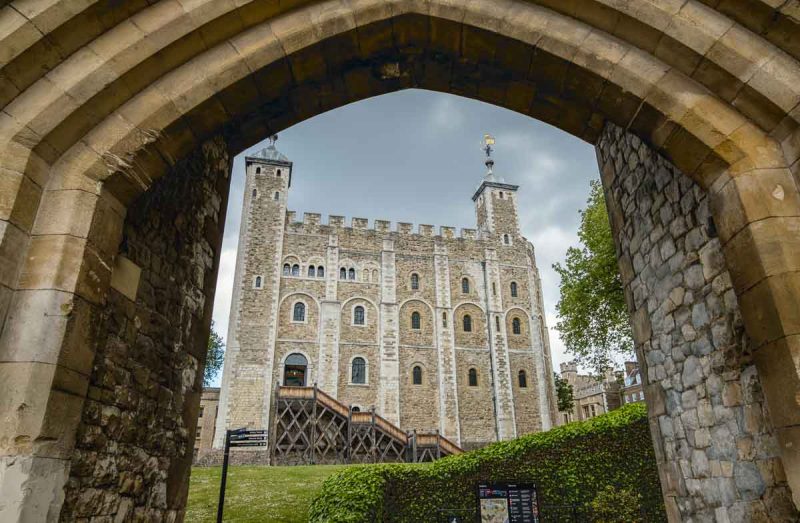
column 311, row 366
column 477, row 338
column 426, row 334
column 712, row 89
column 523, row 340
column 367, row 333
column 305, row 330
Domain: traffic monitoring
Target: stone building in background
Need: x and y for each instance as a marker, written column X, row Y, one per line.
column 434, row 330
column 593, row 395
column 207, row 419
column 632, row 389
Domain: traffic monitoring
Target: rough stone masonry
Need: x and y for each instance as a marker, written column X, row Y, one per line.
column 718, row 456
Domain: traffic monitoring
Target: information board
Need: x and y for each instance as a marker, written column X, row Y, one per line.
column 508, row 503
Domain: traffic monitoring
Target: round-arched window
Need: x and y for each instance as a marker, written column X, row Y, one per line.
column 472, row 377
column 299, row 313
column 516, row 326
column 311, row 271
column 416, row 375
column 465, row 285
column 513, row 289
column 295, row 270
column 523, row 379
column 358, row 315
column 358, row 373
column 415, row 281
column 467, row 323
column 416, row 321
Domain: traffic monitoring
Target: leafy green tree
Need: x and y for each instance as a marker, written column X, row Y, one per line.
column 593, row 316
column 214, row 356
column 566, row 400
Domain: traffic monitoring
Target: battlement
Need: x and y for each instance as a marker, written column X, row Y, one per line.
column 311, row 219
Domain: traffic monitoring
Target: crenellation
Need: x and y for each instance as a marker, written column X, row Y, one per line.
column 311, row 218
column 360, row 308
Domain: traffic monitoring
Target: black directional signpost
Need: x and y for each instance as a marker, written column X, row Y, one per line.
column 237, row 438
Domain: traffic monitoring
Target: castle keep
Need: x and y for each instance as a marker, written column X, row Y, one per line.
column 433, row 330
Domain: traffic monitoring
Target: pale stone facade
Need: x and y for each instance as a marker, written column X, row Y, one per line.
column 361, row 308
column 206, row 419
column 592, row 395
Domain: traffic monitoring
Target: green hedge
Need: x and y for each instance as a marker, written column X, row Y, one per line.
column 570, row 465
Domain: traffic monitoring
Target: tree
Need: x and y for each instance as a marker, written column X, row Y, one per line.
column 566, row 400
column 593, row 316
column 214, row 356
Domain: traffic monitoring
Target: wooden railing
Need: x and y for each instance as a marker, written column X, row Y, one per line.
column 441, row 444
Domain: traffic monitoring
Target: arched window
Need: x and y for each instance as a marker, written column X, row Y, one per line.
column 286, row 269
column 279, row 173
column 294, row 370
column 311, row 271
column 258, row 282
column 472, row 377
column 523, row 379
column 299, row 312
column 342, row 273
column 359, row 371
column 320, row 272
column 414, row 281
column 416, row 321
column 258, row 170
column 351, row 274
column 255, row 193
column 494, row 289
column 277, row 196
column 467, row 323
column 355, row 408
column 516, row 326
column 497, row 322
column 465, row 285
column 295, row 270
column 416, row 375
column 444, row 319
column 501, row 195
column 513, row 289
column 375, row 275
column 506, row 239
column 358, row 315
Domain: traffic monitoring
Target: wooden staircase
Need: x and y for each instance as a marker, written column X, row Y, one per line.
column 311, row 427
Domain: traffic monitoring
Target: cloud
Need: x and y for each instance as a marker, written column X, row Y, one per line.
column 222, row 298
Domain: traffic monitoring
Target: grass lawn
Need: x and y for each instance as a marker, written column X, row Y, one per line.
column 256, row 494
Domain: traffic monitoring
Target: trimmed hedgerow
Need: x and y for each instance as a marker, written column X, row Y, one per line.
column 571, row 464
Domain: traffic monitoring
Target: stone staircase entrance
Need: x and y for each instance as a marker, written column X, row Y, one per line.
column 311, row 427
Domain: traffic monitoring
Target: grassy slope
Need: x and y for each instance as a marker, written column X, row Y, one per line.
column 256, row 494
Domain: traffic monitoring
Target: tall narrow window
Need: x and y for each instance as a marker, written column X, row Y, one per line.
column 258, row 282
column 358, row 315
column 494, row 289
column 523, row 379
column 342, row 273
column 513, row 289
column 516, row 326
column 416, row 321
column 277, row 196
column 506, row 239
column 258, row 170
column 472, row 377
column 351, row 274
column 375, row 275
column 465, row 285
column 311, row 271
column 320, row 272
column 359, row 372
column 286, row 269
column 295, row 270
column 444, row 319
column 415, row 281
column 467, row 323
column 497, row 323
column 279, row 173
column 299, row 312
column 501, row 195
column 416, row 375
column 255, row 193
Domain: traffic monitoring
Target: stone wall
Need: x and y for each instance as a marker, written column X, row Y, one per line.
column 134, row 445
column 718, row 456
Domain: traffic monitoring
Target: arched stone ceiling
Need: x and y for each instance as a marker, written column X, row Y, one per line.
column 87, row 86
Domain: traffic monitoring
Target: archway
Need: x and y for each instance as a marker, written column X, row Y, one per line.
column 294, row 370
column 101, row 132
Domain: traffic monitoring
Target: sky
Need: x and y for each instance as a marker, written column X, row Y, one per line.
column 415, row 156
